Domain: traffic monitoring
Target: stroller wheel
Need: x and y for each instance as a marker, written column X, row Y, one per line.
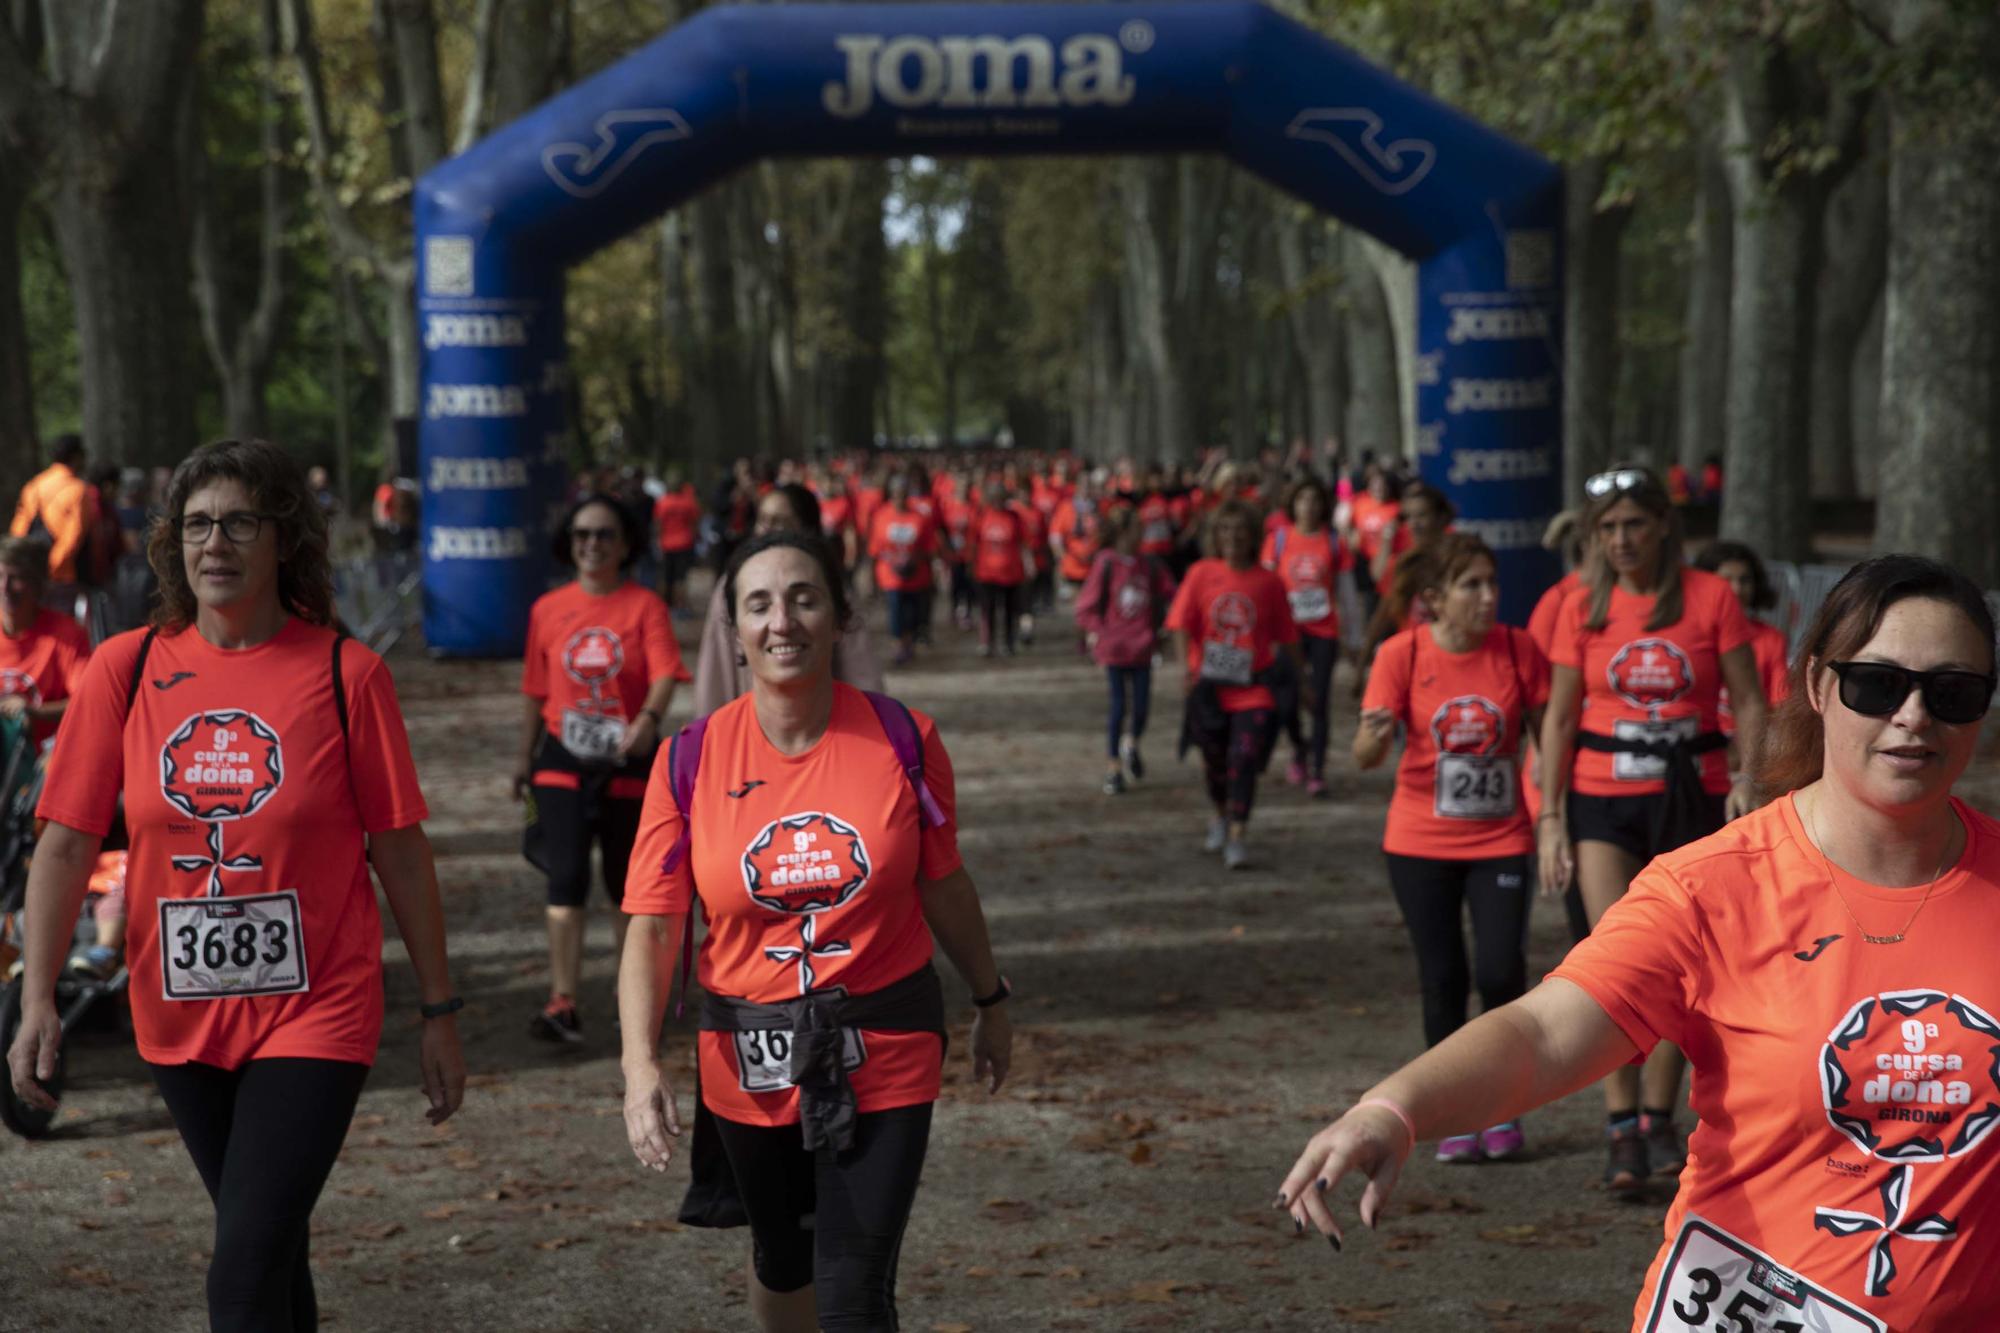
column 28, row 1121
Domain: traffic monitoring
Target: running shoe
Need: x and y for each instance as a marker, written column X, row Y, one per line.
column 1114, row 784
column 1218, row 835
column 1502, row 1141
column 97, row 963
column 1234, row 854
column 1665, row 1148
column 1626, row 1169
column 1295, row 773
column 1128, row 750
column 558, row 1022
column 1316, row 787
column 1460, row 1149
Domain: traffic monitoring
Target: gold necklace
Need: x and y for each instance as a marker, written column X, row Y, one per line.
column 1897, row 938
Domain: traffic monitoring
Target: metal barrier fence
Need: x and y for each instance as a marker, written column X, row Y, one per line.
column 379, row 597
column 1802, row 588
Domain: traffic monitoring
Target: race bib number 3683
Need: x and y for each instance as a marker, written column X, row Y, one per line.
column 212, row 948
column 1715, row 1283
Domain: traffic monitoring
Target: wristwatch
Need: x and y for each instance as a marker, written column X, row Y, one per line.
column 988, row 1001
column 442, row 1007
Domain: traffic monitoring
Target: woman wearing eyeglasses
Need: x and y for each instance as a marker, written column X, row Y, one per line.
column 264, row 770
column 1632, row 754
column 1826, row 962
column 599, row 671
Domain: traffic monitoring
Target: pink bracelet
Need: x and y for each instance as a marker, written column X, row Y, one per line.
column 1394, row 1110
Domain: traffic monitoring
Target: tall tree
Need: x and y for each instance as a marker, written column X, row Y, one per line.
column 1850, row 285
column 1594, row 229
column 1703, row 420
column 19, row 452
column 99, row 116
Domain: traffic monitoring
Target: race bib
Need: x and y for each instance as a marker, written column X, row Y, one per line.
column 1225, row 664
column 764, row 1058
column 1474, row 786
column 1716, row 1283
column 591, row 735
column 212, row 948
column 1644, row 767
column 1156, row 532
column 1310, row 604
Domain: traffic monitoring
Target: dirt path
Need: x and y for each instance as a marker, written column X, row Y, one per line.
column 1181, row 1032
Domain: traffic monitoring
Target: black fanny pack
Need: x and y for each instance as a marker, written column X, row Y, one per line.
column 1683, row 812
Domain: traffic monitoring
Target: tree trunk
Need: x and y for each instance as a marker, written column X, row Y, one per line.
column 1941, row 354
column 531, row 58
column 1590, row 323
column 1374, row 403
column 1702, row 419
column 858, row 372
column 19, row 450
column 1396, row 280
column 1305, row 254
column 1148, row 288
column 1857, row 248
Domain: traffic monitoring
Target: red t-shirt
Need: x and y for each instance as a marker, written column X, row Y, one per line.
column 1640, row 681
column 591, row 658
column 1542, row 620
column 836, row 514
column 1770, row 647
column 1369, row 516
column 1076, row 525
column 998, row 536
column 43, row 664
column 1308, row 567
column 237, row 782
column 1157, row 526
column 677, row 515
column 902, row 542
column 1234, row 620
column 1840, row 1085
column 1035, row 532
column 842, row 818
column 1463, row 715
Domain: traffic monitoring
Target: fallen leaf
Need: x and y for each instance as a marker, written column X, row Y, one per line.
column 1366, row 1314
column 558, row 1242
column 1141, row 1154
column 377, row 1230
column 444, row 1212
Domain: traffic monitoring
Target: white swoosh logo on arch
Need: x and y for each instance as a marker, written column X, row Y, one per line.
column 587, row 170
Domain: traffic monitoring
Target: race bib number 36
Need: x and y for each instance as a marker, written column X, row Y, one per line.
column 212, row 948
column 1716, row 1283
column 764, row 1058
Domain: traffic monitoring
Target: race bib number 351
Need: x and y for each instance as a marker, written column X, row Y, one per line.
column 212, row 948
column 1716, row 1283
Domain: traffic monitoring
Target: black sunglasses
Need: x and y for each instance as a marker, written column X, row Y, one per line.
column 1877, row 689
column 594, row 534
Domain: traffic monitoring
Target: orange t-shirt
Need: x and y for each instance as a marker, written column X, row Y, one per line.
column 677, row 515
column 1076, row 526
column 1157, row 527
column 998, row 536
column 902, row 542
column 1542, row 629
column 1308, row 567
column 237, row 782
column 842, row 817
column 1660, row 682
column 1770, row 647
column 1234, row 620
column 1840, row 1085
column 1369, row 516
column 1462, row 714
column 44, row 664
column 592, row 657
column 836, row 514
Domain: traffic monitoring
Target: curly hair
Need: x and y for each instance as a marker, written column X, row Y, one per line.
column 277, row 486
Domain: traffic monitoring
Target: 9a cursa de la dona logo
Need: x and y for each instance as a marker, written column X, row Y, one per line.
column 221, row 765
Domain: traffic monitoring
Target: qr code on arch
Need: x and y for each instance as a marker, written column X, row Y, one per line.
column 448, row 266
column 1531, row 259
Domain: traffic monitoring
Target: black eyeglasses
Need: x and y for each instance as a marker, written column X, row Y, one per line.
column 239, row 526
column 1877, row 689
column 1617, row 482
column 606, row 535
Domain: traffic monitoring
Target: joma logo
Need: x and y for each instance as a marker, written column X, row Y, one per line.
column 989, row 72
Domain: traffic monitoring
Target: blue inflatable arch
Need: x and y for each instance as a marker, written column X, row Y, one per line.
column 498, row 225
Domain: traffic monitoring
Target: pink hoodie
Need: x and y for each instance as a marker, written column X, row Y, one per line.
column 1122, row 603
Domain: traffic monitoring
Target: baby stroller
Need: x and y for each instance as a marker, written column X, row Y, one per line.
column 21, row 767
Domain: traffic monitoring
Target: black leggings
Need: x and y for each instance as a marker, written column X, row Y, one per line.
column 1433, row 895
column 263, row 1138
column 1000, row 601
column 1320, row 655
column 1135, row 683
column 1232, row 759
column 833, row 1221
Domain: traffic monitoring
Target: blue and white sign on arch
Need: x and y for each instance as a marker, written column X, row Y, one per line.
column 498, row 225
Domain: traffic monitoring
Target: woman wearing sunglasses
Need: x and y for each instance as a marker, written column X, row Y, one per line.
column 1827, row 964
column 599, row 671
column 1632, row 754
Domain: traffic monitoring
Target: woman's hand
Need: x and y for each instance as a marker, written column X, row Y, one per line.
column 992, row 1045
column 1557, row 856
column 443, row 1067
column 1743, row 797
column 33, row 1055
column 638, row 737
column 14, row 705
column 523, row 779
column 650, row 1117
column 1369, row 1141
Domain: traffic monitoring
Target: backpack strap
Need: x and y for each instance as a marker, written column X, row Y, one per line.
column 1278, row 542
column 683, row 764
column 908, row 743
column 139, row 670
column 340, row 685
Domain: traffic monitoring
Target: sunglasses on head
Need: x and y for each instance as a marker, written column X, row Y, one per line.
column 1617, row 482
column 1877, row 689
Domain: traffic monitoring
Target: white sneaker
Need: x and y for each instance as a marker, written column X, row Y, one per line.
column 1218, row 834
column 1235, row 855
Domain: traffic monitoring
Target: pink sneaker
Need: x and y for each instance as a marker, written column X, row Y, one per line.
column 1316, row 787
column 1502, row 1141
column 1295, row 773
column 1460, row 1148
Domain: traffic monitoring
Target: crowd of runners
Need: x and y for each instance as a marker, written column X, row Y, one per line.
column 1767, row 873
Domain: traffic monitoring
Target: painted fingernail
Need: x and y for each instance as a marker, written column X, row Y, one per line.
column 1279, row 1202
column 1334, row 1241
column 1322, row 1185
column 1298, row 1227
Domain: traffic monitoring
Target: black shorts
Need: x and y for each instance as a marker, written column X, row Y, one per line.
column 1627, row 821
column 576, row 806
column 674, row 566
